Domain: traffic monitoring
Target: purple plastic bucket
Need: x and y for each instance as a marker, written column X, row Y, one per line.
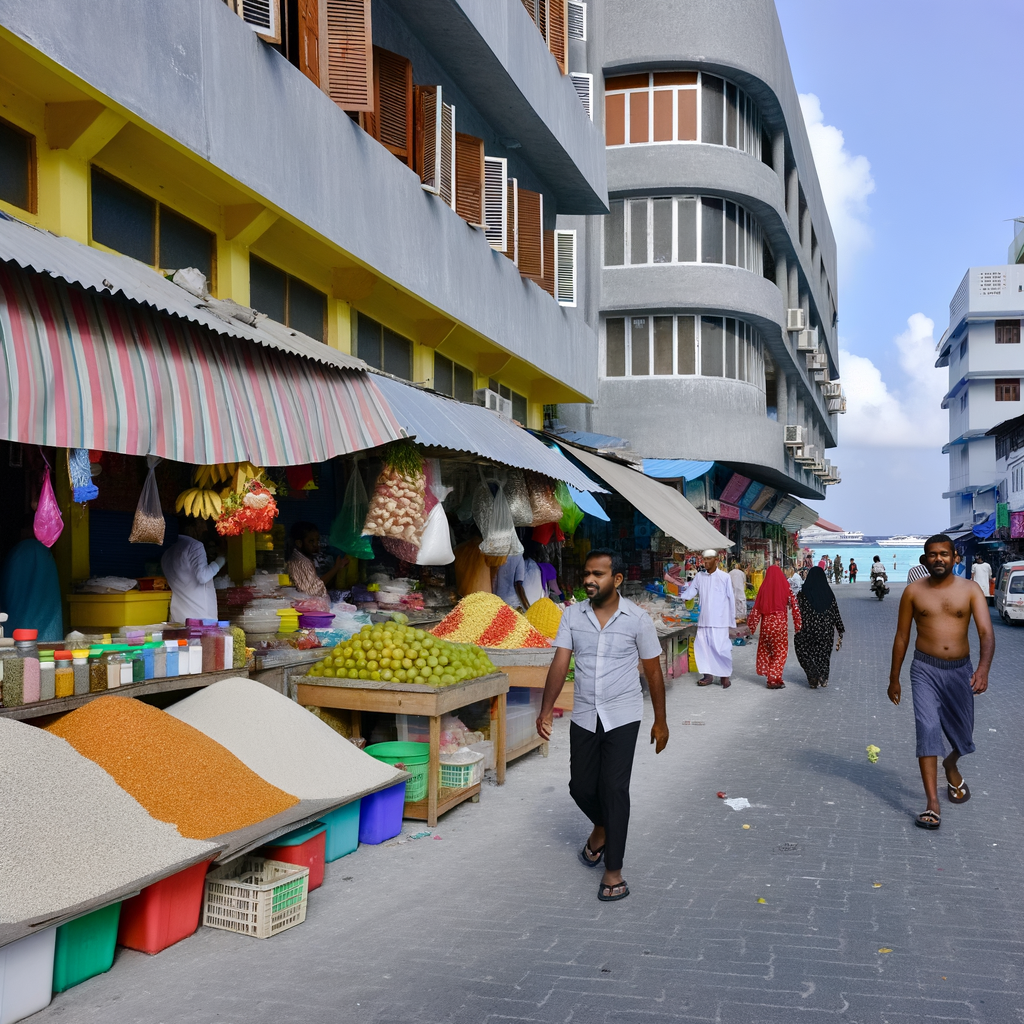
column 380, row 816
column 309, row 620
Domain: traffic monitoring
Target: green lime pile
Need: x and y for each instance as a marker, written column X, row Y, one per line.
column 395, row 653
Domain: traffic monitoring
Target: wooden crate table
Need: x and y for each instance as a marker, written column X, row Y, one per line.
column 360, row 695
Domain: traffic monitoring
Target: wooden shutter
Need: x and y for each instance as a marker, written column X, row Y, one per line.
column 511, row 249
column 391, row 121
column 531, row 8
column 426, row 130
column 530, row 234
column 262, row 16
column 558, row 39
column 350, row 54
column 496, row 201
column 446, row 150
column 307, row 31
column 584, row 86
column 565, row 268
column 469, row 179
column 576, row 16
column 547, row 280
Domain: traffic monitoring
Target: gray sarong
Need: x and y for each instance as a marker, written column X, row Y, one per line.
column 943, row 703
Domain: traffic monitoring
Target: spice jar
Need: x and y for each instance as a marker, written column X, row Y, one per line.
column 28, row 651
column 10, row 674
column 97, row 671
column 80, row 671
column 47, row 676
column 64, row 674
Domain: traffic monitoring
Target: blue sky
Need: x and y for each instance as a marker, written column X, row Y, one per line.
column 920, row 184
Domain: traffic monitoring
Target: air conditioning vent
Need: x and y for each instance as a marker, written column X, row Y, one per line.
column 794, row 434
column 817, row 361
column 795, row 320
column 492, row 400
column 807, row 341
column 837, row 405
column 832, row 389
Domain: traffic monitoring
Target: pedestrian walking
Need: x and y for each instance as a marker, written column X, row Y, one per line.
column 943, row 682
column 739, row 591
column 917, row 572
column 712, row 647
column 608, row 635
column 959, row 569
column 853, row 571
column 837, row 570
column 981, row 573
column 819, row 622
column 771, row 605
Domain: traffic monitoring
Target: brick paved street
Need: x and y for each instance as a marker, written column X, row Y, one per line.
column 497, row 921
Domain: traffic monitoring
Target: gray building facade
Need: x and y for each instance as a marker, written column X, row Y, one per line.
column 712, row 282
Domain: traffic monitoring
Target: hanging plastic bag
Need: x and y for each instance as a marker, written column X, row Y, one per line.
column 48, row 523
column 80, row 471
column 347, row 529
column 148, row 525
column 436, row 542
column 396, row 507
column 500, row 539
column 541, row 490
column 572, row 514
column 518, row 498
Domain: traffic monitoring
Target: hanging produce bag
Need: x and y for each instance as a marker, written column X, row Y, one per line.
column 80, row 471
column 572, row 514
column 148, row 526
column 347, row 529
column 396, row 506
column 500, row 539
column 436, row 542
column 48, row 523
column 545, row 506
column 518, row 498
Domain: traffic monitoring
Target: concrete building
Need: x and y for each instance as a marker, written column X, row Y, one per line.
column 385, row 184
column 982, row 349
column 712, row 282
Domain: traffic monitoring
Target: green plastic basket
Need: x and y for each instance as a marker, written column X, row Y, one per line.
column 416, row 787
column 460, row 776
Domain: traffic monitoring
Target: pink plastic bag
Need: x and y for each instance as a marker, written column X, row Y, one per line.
column 48, row 523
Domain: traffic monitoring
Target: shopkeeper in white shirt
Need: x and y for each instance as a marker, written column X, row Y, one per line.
column 189, row 574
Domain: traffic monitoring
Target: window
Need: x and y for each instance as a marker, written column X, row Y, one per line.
column 963, row 402
column 383, row 348
column 17, row 171
column 452, row 379
column 680, row 106
column 1007, row 332
column 683, row 346
column 684, row 229
column 130, row 222
column 286, row 299
column 1007, row 389
column 963, row 349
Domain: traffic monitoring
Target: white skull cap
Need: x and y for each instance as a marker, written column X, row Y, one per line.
column 710, row 553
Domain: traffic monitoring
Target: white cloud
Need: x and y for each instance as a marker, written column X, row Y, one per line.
column 908, row 416
column 845, row 179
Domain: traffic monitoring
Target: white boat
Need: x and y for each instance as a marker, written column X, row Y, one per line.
column 902, row 541
column 815, row 536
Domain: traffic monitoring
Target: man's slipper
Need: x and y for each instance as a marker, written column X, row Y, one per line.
column 705, row 681
column 726, row 682
column 958, row 794
column 928, row 819
column 598, row 856
column 604, row 893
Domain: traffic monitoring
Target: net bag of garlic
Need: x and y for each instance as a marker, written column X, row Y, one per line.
column 396, row 510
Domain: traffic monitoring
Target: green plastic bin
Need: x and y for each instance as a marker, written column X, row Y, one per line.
column 415, row 757
column 85, row 947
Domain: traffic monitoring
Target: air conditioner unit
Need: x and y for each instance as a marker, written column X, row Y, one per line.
column 832, row 389
column 817, row 361
column 807, row 341
column 794, row 434
column 714, row 506
column 837, row 405
column 808, row 455
column 492, row 400
column 820, row 375
column 795, row 320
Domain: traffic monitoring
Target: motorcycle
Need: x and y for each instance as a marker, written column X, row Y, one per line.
column 879, row 586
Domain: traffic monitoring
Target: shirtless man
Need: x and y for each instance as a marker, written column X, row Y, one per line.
column 942, row 680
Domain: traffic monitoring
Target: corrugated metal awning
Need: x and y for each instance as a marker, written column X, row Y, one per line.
column 438, row 422
column 111, row 274
column 85, row 370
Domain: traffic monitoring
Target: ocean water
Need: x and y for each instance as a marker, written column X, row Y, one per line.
column 864, row 555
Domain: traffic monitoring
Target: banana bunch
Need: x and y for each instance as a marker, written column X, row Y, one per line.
column 200, row 503
column 236, row 474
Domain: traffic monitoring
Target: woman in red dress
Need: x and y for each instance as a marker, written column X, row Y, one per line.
column 770, row 607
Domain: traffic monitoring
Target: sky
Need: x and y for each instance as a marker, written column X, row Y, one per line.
column 913, row 112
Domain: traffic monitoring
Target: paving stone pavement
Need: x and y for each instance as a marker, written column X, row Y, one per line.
column 494, row 920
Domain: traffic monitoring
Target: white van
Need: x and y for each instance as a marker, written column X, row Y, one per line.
column 1009, row 593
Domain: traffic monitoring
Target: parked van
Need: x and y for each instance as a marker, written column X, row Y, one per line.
column 1009, row 593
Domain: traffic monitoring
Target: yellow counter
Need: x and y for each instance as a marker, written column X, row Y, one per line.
column 134, row 608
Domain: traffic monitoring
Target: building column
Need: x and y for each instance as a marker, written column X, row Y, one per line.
column 779, row 157
column 782, row 396
column 782, row 276
column 793, row 200
column 805, row 233
column 793, row 291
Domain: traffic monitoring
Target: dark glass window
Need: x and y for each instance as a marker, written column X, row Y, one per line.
column 1007, row 332
column 711, row 230
column 638, row 231
column 711, row 346
column 519, row 408
column 289, row 301
column 712, row 109
column 16, row 170
column 443, row 376
column 397, row 354
column 268, row 290
column 464, row 383
column 687, row 230
column 307, row 308
column 663, row 345
column 615, row 347
column 185, row 244
column 614, row 234
column 686, row 348
column 368, row 341
column 640, row 346
column 123, row 218
column 661, row 230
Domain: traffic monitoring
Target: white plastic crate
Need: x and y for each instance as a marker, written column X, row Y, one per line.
column 254, row 896
column 26, row 975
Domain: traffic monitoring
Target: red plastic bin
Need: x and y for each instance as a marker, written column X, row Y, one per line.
column 304, row 847
column 165, row 912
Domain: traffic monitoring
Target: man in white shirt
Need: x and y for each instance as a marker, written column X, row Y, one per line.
column 712, row 648
column 739, row 591
column 509, row 582
column 608, row 635
column 981, row 573
column 188, row 573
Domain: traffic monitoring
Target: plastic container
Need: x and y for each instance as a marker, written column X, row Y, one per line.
column 305, row 847
column 413, row 757
column 342, row 837
column 257, row 897
column 171, row 655
column 467, row 771
column 11, row 675
column 26, row 975
column 311, row 620
column 164, row 912
column 159, row 660
column 138, row 663
column 80, row 672
column 112, row 661
column 227, row 648
column 195, row 656
column 184, row 662
column 25, row 643
column 97, row 671
column 64, row 674
column 212, row 646
column 47, row 678
column 380, row 817
column 85, row 947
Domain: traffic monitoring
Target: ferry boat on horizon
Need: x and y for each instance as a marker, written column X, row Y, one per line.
column 902, row 541
column 815, row 536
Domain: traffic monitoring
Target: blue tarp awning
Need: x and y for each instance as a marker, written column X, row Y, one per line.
column 987, row 528
column 676, row 469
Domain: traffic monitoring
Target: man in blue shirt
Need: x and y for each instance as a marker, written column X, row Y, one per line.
column 608, row 635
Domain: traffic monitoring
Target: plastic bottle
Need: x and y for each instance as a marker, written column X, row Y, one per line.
column 28, row 651
column 195, row 656
column 184, row 668
column 80, row 671
column 64, row 674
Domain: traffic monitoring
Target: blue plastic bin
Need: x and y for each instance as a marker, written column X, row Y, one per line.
column 380, row 817
column 342, row 831
column 518, row 695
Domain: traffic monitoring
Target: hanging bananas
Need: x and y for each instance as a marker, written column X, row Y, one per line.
column 206, row 499
column 238, row 474
column 199, row 503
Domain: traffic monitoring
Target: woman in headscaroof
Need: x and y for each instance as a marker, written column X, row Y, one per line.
column 773, row 601
column 821, row 621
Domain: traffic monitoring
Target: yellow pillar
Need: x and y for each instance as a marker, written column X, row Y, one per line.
column 422, row 364
column 232, row 271
column 535, row 415
column 71, row 552
column 339, row 324
column 63, row 194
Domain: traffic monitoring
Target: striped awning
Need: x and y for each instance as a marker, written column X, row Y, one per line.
column 85, row 370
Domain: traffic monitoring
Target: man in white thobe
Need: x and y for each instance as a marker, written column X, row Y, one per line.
column 189, row 575
column 712, row 649
column 739, row 591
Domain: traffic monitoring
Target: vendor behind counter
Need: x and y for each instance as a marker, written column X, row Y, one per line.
column 30, row 588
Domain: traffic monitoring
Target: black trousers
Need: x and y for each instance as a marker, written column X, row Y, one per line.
column 600, row 766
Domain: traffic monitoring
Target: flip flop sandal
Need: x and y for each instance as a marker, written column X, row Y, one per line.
column 598, row 856
column 958, row 794
column 705, row 681
column 609, row 889
column 726, row 683
column 928, row 819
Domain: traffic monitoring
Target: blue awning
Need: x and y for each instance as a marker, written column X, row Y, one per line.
column 987, row 528
column 676, row 469
column 587, row 502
